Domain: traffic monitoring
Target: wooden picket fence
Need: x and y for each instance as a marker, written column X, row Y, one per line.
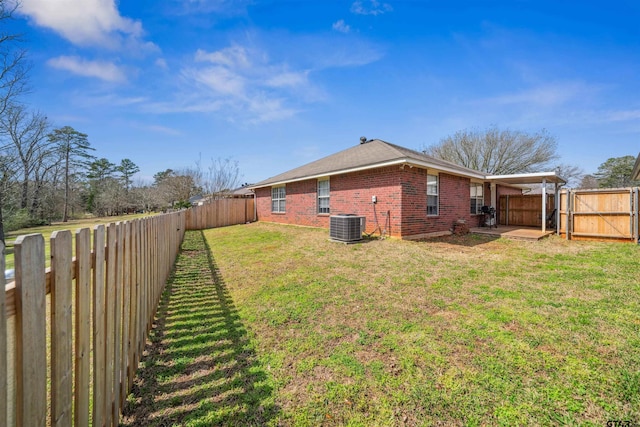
column 221, row 213
column 72, row 335
column 600, row 214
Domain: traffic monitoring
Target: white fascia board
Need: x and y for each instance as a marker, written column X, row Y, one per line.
column 405, row 161
column 453, row 171
column 328, row 174
column 528, row 177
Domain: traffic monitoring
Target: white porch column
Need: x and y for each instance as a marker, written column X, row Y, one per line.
column 494, row 199
column 556, row 206
column 544, row 205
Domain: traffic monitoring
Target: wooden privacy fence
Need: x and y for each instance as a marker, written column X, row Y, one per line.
column 72, row 335
column 523, row 209
column 610, row 214
column 220, row 213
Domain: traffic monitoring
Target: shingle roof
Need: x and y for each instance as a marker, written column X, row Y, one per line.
column 369, row 155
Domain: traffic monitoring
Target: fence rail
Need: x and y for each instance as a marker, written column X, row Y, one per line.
column 85, row 319
column 221, row 213
column 604, row 214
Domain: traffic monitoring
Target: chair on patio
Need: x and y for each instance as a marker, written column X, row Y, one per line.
column 551, row 219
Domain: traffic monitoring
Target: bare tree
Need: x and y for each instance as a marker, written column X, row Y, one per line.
column 45, row 179
column 497, row 151
column 177, row 187
column 223, row 176
column 27, row 131
column 7, row 167
column 13, row 83
column 13, row 64
column 572, row 174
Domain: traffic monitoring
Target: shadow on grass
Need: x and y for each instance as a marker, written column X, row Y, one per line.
column 469, row 240
column 200, row 369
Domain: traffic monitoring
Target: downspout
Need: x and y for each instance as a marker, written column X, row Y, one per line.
column 255, row 207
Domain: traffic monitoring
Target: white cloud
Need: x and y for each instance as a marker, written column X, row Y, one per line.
column 103, row 70
column 157, row 129
column 87, row 22
column 624, row 115
column 222, row 7
column 288, row 79
column 255, row 82
column 341, row 26
column 268, row 110
column 244, row 83
column 161, row 63
column 371, row 7
column 219, row 79
column 234, row 56
column 545, row 95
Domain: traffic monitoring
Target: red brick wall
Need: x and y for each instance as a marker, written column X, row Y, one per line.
column 454, row 203
column 349, row 193
column 393, row 187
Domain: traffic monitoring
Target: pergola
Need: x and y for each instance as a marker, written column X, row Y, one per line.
column 531, row 178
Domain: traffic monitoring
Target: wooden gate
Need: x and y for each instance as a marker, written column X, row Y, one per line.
column 523, row 209
column 607, row 214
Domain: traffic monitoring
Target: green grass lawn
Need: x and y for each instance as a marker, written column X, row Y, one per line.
column 47, row 231
column 291, row 329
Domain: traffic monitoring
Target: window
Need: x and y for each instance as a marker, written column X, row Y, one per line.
column 278, row 199
column 432, row 194
column 477, row 198
column 323, row 196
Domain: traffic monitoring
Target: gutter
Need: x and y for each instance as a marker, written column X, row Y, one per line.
column 404, row 161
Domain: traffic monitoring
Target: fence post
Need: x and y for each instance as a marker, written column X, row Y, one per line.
column 4, row 384
column 126, row 308
column 635, row 213
column 83, row 327
column 569, row 202
column 110, row 296
column 31, row 356
column 61, row 328
column 99, row 328
column 133, row 281
column 117, row 374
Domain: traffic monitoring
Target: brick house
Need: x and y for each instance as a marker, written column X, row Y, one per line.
column 401, row 192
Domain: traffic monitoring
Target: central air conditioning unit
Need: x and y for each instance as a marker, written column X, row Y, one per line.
column 346, row 227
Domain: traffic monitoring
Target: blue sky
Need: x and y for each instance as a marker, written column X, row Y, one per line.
column 276, row 84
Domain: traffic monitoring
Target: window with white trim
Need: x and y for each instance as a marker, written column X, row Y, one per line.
column 278, row 199
column 323, row 196
column 477, row 198
column 432, row 194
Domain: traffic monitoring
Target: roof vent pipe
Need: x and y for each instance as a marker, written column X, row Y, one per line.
column 363, row 140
